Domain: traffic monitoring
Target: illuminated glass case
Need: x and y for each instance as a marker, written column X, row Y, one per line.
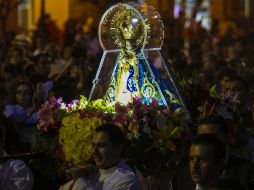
column 132, row 65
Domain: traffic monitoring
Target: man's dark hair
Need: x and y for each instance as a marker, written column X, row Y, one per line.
column 226, row 184
column 216, row 120
column 116, row 135
column 219, row 147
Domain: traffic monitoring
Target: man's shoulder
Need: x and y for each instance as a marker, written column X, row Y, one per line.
column 124, row 170
column 124, row 177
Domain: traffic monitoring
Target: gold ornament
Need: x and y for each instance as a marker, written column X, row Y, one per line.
column 128, row 29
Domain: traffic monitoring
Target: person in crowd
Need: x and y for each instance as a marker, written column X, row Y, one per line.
column 210, row 65
column 23, row 42
column 237, row 87
column 224, row 76
column 206, row 160
column 73, row 76
column 9, row 129
column 40, row 42
column 234, row 163
column 69, row 32
column 14, row 65
column 23, row 110
column 14, row 173
column 57, row 63
column 77, row 75
column 234, row 47
column 114, row 172
column 39, row 70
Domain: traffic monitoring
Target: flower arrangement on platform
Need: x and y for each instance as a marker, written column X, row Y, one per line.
column 70, row 127
column 57, row 119
column 54, row 110
column 61, row 118
column 154, row 121
column 156, row 138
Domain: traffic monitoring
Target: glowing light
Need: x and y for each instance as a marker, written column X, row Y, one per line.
column 134, row 21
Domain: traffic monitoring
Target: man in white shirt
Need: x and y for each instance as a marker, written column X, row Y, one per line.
column 114, row 173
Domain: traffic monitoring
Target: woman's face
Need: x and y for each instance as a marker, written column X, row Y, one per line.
column 24, row 95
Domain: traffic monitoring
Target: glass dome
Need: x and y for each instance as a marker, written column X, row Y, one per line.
column 150, row 19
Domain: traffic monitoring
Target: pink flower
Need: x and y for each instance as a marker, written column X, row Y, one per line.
column 120, row 109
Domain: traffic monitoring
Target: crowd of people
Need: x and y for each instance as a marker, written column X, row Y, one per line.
column 218, row 62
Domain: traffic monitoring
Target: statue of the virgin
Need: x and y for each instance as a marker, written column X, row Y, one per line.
column 132, row 66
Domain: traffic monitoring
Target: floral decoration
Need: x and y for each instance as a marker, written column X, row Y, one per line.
column 149, row 128
column 75, row 136
column 153, row 121
column 152, row 130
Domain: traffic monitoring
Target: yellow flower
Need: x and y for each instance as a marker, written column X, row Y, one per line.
column 96, row 122
column 76, row 137
column 71, row 120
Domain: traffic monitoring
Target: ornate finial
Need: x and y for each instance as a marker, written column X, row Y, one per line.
column 128, row 29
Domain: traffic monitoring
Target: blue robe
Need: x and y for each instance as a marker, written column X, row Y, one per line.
column 139, row 82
